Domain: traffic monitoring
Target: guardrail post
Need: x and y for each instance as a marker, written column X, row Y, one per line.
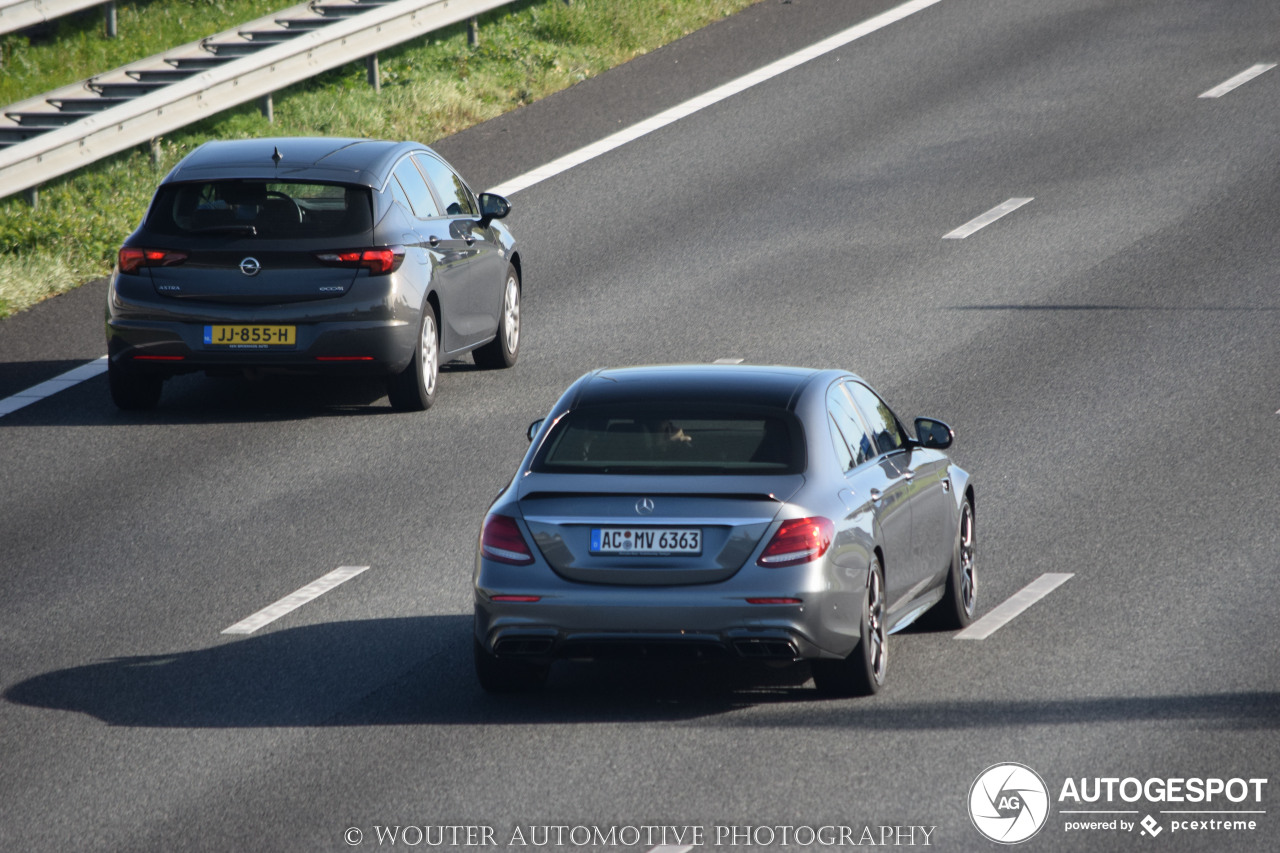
column 32, row 194
column 156, row 153
column 110, row 12
column 371, row 66
column 473, row 32
column 267, row 107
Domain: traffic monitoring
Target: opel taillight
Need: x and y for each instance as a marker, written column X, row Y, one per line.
column 132, row 259
column 381, row 261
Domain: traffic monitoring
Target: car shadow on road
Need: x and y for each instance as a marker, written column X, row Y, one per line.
column 198, row 399
column 380, row 672
column 417, row 670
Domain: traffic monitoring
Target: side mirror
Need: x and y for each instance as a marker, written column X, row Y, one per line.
column 532, row 431
column 934, row 435
column 492, row 206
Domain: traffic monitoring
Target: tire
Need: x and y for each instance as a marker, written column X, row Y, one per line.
column 501, row 675
column 502, row 351
column 863, row 672
column 959, row 602
column 414, row 388
column 132, row 391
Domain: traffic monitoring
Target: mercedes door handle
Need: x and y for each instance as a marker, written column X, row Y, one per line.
column 469, row 239
column 876, row 495
column 908, row 475
column 433, row 241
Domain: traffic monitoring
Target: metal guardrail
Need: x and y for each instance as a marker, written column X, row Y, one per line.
column 20, row 14
column 60, row 131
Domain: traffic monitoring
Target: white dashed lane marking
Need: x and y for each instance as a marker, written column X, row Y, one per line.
column 52, row 386
column 978, row 223
column 715, row 96
column 1239, row 80
column 292, row 602
column 1015, row 604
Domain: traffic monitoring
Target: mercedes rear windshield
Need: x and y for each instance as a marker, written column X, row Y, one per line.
column 674, row 439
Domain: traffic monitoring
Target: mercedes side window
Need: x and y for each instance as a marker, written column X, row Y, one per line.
column 879, row 418
column 841, row 445
column 455, row 195
column 424, row 206
column 850, row 424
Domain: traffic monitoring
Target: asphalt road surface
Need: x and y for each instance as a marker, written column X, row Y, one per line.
column 1107, row 353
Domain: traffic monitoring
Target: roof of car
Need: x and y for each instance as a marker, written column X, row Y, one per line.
column 351, row 161
column 770, row 386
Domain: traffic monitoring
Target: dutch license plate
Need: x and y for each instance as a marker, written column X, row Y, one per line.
column 251, row 336
column 646, row 540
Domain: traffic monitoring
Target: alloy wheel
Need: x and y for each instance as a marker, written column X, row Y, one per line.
column 511, row 314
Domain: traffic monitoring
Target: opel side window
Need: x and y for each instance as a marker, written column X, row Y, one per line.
column 883, row 425
column 424, row 206
column 454, row 193
column 398, row 193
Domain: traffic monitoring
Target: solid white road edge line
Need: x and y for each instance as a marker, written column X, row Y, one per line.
column 1015, row 604
column 978, row 223
column 693, row 105
column 50, row 387
column 292, row 602
column 1239, row 80
column 622, row 137
column 727, row 361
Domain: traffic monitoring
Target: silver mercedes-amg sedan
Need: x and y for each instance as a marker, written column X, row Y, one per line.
column 734, row 512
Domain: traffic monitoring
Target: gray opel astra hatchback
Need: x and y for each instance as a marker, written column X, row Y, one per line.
column 311, row 255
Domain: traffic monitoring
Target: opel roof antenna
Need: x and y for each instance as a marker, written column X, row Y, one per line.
column 277, row 156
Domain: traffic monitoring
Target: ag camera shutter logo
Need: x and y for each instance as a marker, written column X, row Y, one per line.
column 1008, row 803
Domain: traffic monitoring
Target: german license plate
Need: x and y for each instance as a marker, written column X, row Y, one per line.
column 251, row 336
column 646, row 540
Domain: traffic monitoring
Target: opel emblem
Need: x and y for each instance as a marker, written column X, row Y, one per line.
column 250, row 266
column 644, row 506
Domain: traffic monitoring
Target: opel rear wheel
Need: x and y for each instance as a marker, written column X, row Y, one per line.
column 131, row 390
column 414, row 388
column 504, row 349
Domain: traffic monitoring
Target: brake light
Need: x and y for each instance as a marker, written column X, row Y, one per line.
column 501, row 540
column 132, row 259
column 377, row 261
column 798, row 541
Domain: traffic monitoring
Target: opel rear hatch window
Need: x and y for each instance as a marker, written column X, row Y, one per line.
column 268, row 209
